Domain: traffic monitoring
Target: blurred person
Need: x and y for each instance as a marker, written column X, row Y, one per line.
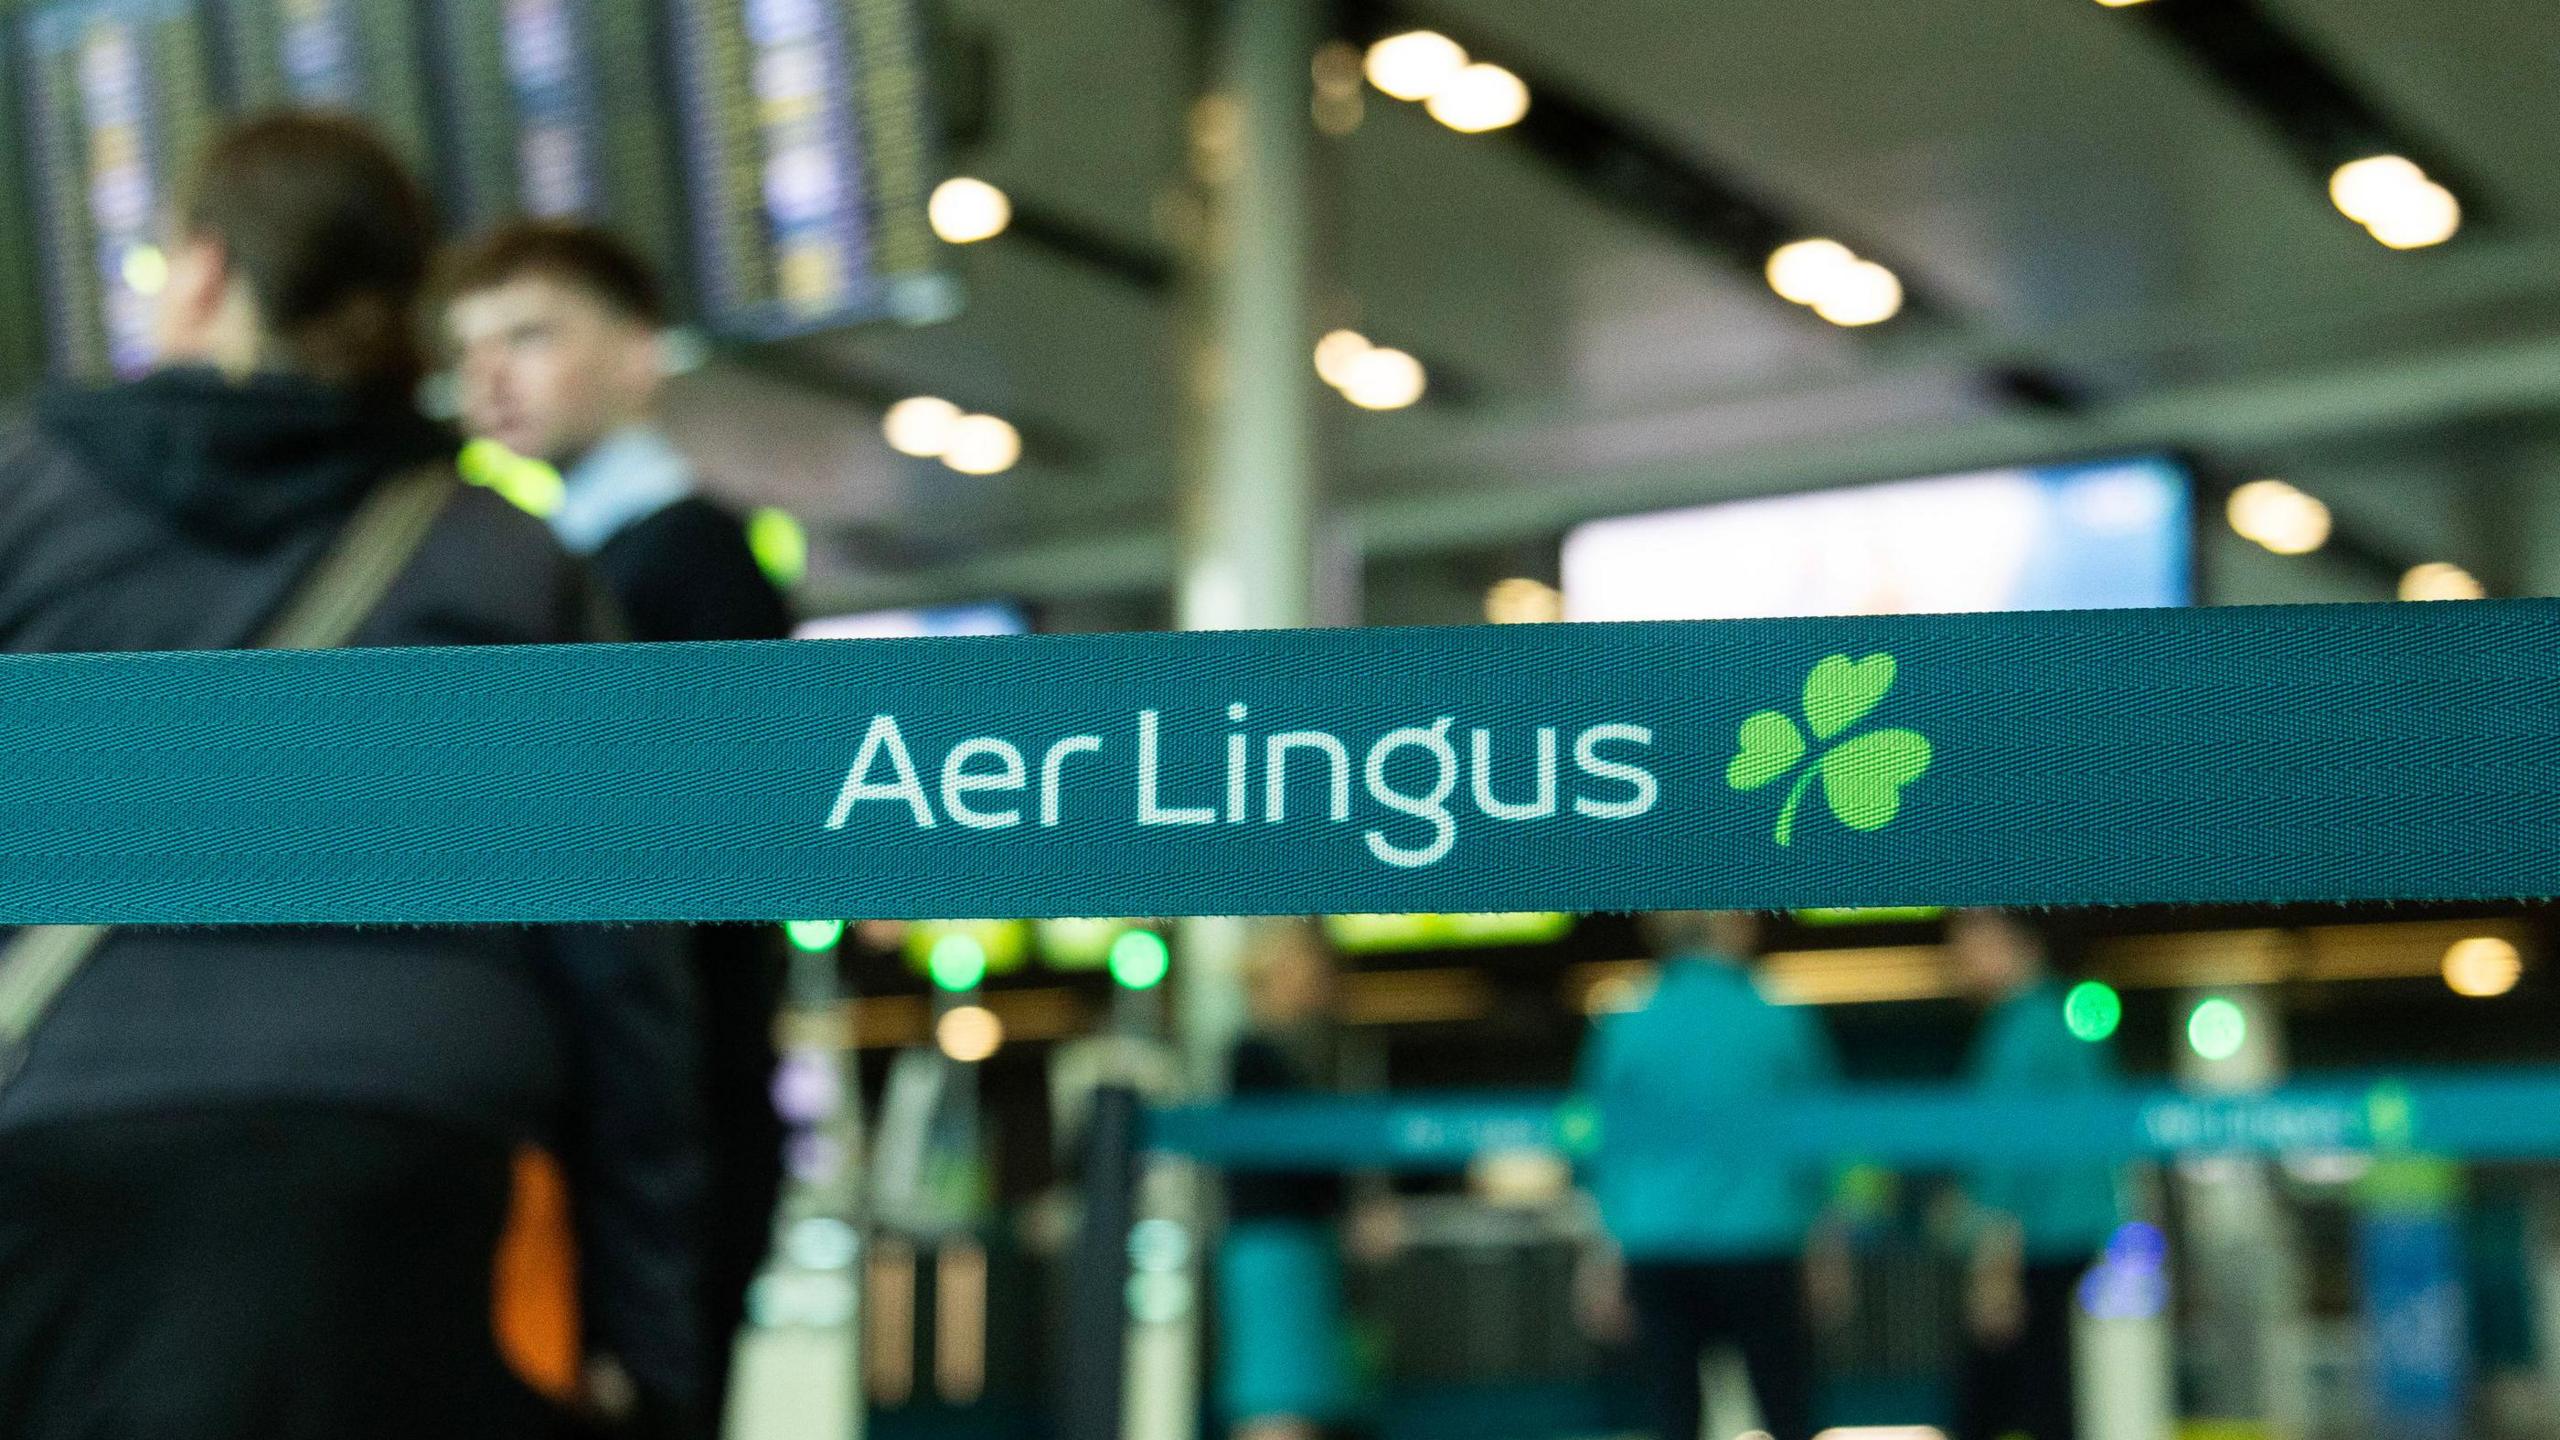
column 253, row 1182
column 1705, row 1248
column 558, row 328
column 2034, row 1232
column 1284, row 1350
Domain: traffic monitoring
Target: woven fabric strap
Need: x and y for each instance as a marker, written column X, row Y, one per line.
column 2326, row 753
column 324, row 610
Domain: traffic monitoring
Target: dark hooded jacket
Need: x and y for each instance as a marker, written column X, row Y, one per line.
column 179, row 512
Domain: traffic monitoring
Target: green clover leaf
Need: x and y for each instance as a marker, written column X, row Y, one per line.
column 1862, row 777
column 1769, row 747
column 1841, row 692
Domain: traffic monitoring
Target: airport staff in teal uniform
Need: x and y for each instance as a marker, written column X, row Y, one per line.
column 2035, row 1231
column 1709, row 1246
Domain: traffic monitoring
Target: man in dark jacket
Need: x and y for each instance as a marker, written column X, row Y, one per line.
column 252, row 1181
column 558, row 328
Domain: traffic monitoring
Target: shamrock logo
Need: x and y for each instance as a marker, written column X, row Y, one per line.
column 1862, row 777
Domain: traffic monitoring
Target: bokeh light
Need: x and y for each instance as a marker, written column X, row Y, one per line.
column 2482, row 967
column 2217, row 1029
column 1414, row 65
column 965, row 210
column 2092, row 1010
column 814, row 935
column 957, row 962
column 2279, row 517
column 1140, row 960
column 969, row 1034
column 1479, row 98
column 2441, row 580
column 920, row 425
column 982, row 445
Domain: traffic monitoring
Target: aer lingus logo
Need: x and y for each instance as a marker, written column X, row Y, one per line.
column 1862, row 777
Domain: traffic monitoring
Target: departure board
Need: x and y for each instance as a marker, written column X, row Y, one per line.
column 551, row 108
column 361, row 56
column 118, row 97
column 807, row 157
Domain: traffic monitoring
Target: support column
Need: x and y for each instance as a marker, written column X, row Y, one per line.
column 1250, row 496
column 1247, row 556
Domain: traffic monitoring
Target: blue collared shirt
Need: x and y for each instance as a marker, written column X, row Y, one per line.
column 629, row 476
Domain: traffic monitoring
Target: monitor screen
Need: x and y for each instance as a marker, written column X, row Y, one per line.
column 2118, row 534
column 119, row 97
column 551, row 109
column 805, row 145
column 362, row 56
column 992, row 617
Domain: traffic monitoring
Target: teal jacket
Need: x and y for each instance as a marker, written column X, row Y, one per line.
column 1706, row 1038
column 2025, row 1048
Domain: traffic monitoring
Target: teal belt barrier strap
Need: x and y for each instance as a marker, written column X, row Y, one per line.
column 2297, row 754
column 2470, row 1114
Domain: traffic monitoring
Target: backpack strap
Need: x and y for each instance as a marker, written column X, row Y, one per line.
column 328, row 606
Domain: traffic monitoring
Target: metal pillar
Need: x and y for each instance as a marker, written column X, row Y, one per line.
column 1246, row 556
column 1248, row 548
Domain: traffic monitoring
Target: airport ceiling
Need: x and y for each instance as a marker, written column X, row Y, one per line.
column 2115, row 229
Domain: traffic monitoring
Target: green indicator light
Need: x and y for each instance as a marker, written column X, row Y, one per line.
column 958, row 962
column 1139, row 959
column 813, row 935
column 780, row 545
column 2217, row 1029
column 2092, row 1011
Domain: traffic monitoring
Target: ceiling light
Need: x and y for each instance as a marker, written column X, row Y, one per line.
column 969, row 1033
column 982, row 445
column 1415, row 64
column 2395, row 201
column 2441, row 580
column 2279, row 517
column 1805, row 271
column 965, row 210
column 2422, row 218
column 1865, row 293
column 2482, row 967
column 919, row 425
column 1479, row 98
column 2121, row 4
column 1523, row 601
column 2363, row 189
column 1383, row 379
column 1335, row 354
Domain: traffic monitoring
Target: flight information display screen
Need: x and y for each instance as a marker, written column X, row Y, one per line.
column 119, row 97
column 362, row 56
column 805, row 141
column 551, row 109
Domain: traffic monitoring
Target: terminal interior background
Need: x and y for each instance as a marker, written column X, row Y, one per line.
column 2140, row 338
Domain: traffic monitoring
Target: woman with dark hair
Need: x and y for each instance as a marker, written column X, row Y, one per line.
column 253, row 1182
